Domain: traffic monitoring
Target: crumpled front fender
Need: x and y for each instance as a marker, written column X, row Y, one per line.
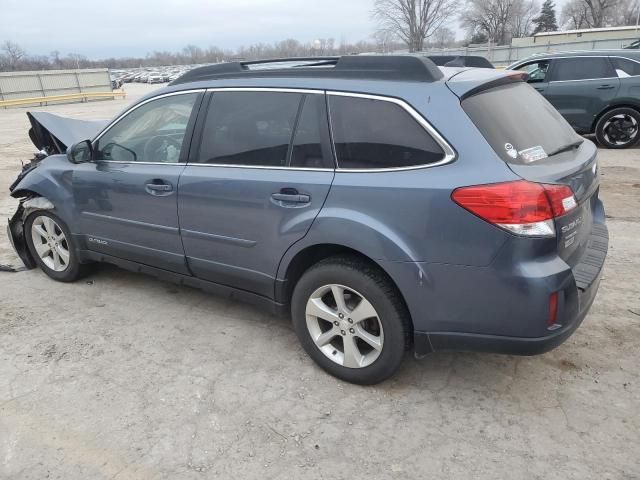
column 15, row 231
column 15, row 227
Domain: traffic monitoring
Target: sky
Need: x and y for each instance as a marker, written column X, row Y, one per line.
column 106, row 28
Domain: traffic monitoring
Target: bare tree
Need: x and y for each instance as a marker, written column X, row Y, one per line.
column 443, row 37
column 628, row 13
column 490, row 17
column 521, row 22
column 13, row 53
column 413, row 20
column 574, row 15
column 499, row 20
column 597, row 13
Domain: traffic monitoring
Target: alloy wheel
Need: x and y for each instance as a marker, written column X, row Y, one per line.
column 620, row 129
column 50, row 243
column 344, row 325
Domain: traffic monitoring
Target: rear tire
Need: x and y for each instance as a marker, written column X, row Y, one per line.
column 365, row 349
column 618, row 128
column 52, row 246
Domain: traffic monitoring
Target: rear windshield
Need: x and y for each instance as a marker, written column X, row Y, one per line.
column 520, row 125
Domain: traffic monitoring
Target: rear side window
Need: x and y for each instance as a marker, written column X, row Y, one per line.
column 527, row 131
column 249, row 128
column 625, row 67
column 582, row 68
column 372, row 133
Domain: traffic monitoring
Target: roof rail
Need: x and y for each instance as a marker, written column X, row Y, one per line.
column 364, row 67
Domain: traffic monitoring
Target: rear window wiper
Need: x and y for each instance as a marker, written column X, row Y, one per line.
column 566, row 148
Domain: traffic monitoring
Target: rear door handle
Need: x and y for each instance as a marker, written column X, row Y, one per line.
column 606, row 87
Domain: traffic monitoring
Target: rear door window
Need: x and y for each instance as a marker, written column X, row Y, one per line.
column 625, row 67
column 582, row 68
column 311, row 146
column 249, row 128
column 529, row 130
column 372, row 134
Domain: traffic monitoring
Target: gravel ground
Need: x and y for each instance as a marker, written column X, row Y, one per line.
column 124, row 376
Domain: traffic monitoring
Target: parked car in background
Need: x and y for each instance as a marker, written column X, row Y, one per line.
column 596, row 91
column 116, row 83
column 155, row 78
column 382, row 202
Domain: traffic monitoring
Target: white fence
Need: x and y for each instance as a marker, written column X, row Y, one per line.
column 53, row 83
column 504, row 55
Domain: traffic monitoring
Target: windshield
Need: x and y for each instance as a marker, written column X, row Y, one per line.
column 520, row 125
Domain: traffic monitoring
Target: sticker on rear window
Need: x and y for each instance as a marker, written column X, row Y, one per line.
column 512, row 152
column 532, row 154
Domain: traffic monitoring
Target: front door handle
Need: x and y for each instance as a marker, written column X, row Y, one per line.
column 291, row 198
column 158, row 187
column 606, row 87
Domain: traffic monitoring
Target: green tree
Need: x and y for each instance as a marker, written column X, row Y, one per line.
column 546, row 21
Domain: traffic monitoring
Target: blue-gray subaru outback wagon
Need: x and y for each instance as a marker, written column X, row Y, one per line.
column 385, row 203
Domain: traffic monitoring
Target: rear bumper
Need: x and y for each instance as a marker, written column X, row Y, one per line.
column 577, row 287
column 427, row 342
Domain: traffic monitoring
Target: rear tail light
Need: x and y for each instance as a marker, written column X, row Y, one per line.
column 521, row 207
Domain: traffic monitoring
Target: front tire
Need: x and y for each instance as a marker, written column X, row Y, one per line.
column 619, row 128
column 351, row 320
column 52, row 247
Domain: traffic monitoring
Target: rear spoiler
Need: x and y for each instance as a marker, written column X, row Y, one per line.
column 467, row 83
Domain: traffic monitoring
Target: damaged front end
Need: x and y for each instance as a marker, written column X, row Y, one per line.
column 51, row 134
column 15, row 228
column 15, row 231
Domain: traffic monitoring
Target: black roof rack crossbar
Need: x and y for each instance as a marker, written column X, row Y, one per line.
column 364, row 67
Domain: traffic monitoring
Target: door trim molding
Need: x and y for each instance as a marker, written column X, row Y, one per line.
column 126, row 221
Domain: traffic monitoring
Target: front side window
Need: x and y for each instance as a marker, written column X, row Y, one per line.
column 625, row 67
column 249, row 128
column 153, row 132
column 371, row 133
column 537, row 71
column 582, row 68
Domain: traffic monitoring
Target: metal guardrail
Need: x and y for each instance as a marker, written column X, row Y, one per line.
column 61, row 98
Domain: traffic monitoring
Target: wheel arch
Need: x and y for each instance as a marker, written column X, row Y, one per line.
column 620, row 103
column 54, row 185
column 308, row 256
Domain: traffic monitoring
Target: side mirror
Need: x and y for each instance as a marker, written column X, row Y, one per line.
column 80, row 152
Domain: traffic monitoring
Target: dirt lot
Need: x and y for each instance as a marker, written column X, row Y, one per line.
column 124, row 376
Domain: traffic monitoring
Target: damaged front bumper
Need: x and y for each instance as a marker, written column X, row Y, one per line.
column 15, row 231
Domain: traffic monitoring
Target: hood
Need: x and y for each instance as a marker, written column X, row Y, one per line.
column 54, row 134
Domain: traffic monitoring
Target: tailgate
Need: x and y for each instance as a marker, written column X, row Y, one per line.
column 582, row 233
column 538, row 145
